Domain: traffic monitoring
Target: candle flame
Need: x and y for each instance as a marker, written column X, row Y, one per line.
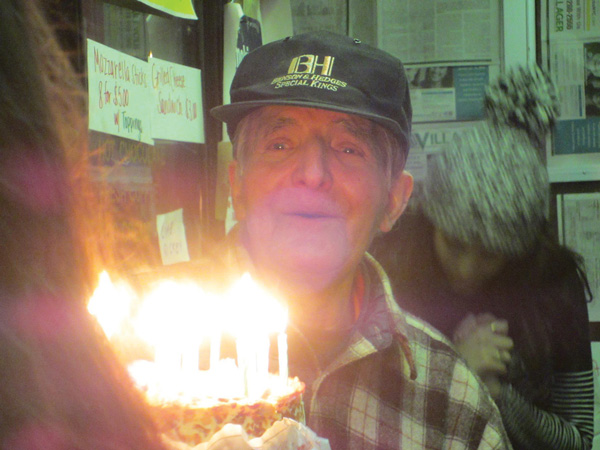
column 110, row 304
column 256, row 310
column 173, row 313
column 176, row 316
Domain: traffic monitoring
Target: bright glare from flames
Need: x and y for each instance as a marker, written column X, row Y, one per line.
column 110, row 304
column 254, row 309
column 173, row 313
column 176, row 316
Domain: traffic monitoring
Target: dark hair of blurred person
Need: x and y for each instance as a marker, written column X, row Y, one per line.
column 60, row 384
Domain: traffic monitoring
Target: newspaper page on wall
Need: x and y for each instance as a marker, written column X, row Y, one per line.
column 450, row 50
column 441, row 93
column 427, row 141
column 579, row 229
column 574, row 63
column 313, row 15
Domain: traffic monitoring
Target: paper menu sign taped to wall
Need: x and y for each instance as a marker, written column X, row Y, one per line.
column 171, row 237
column 119, row 93
column 177, row 113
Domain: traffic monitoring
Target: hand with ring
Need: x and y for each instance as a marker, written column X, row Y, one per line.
column 484, row 343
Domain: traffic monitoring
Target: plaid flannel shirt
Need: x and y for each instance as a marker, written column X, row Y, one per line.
column 399, row 384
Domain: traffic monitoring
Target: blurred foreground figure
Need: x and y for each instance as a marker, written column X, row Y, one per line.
column 477, row 259
column 61, row 387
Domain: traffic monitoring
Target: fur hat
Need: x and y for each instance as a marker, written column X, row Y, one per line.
column 490, row 186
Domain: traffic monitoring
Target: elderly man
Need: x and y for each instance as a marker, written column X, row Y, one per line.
column 320, row 125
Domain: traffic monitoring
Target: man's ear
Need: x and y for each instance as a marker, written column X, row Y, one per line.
column 398, row 197
column 235, row 185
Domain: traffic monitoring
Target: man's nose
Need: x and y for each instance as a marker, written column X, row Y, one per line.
column 313, row 165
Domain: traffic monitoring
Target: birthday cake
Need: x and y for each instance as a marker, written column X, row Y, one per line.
column 186, row 411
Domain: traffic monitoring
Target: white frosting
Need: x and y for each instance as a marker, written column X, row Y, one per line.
column 202, row 388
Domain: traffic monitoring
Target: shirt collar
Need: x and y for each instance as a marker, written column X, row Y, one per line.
column 381, row 321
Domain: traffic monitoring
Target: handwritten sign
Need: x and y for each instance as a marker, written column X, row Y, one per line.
column 177, row 8
column 177, row 113
column 171, row 237
column 120, row 93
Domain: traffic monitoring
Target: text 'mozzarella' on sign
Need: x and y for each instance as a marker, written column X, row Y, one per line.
column 119, row 93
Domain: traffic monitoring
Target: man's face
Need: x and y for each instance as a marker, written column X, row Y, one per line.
column 311, row 194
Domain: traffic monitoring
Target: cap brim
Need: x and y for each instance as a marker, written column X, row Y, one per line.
column 231, row 114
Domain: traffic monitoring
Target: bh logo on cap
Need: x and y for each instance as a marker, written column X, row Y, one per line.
column 311, row 71
column 310, row 64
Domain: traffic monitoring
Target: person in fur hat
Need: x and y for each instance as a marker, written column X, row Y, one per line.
column 477, row 258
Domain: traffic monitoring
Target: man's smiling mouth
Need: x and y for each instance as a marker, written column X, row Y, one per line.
column 313, row 215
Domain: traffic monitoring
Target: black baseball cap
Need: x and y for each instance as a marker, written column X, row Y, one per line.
column 322, row 70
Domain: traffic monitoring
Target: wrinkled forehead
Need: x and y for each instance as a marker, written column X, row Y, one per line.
column 274, row 117
column 263, row 121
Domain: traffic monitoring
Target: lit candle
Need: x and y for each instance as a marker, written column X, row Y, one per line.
column 215, row 348
column 258, row 315
column 190, row 357
column 167, row 359
column 243, row 362
column 262, row 363
column 282, row 349
column 215, row 315
column 168, row 319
